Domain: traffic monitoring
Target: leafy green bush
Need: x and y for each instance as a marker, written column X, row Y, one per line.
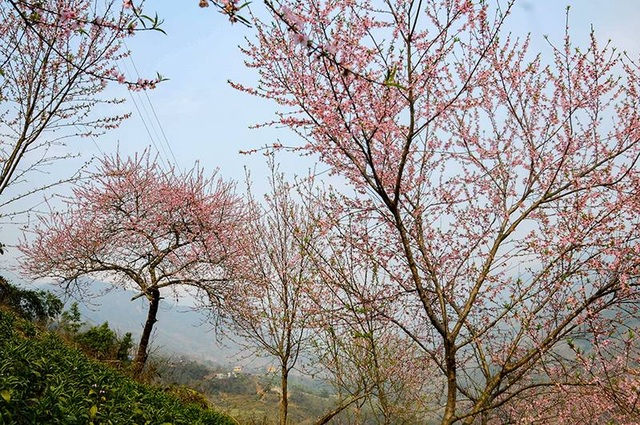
column 99, row 342
column 103, row 343
column 70, row 321
column 124, row 347
column 44, row 381
column 33, row 305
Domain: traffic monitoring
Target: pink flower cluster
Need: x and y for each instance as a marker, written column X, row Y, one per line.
column 229, row 8
column 68, row 14
column 296, row 25
column 143, row 84
column 292, row 19
column 70, row 21
column 116, row 75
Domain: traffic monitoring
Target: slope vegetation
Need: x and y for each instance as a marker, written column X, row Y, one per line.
column 45, row 381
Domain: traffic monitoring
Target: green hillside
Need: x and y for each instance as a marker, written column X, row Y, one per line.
column 45, row 381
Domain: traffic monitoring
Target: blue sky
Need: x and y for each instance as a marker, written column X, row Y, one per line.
column 206, row 120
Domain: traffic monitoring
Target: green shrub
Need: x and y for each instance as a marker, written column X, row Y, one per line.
column 188, row 395
column 70, row 321
column 124, row 347
column 33, row 305
column 100, row 342
column 44, row 381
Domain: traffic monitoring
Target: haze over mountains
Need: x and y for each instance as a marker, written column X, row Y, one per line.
column 180, row 330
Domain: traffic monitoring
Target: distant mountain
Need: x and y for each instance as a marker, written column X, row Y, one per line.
column 179, row 330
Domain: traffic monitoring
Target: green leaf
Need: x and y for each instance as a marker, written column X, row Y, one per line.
column 93, row 411
column 6, row 395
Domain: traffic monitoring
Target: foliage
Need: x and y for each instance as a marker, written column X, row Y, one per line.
column 70, row 321
column 44, row 381
column 188, row 395
column 103, row 343
column 33, row 305
column 124, row 345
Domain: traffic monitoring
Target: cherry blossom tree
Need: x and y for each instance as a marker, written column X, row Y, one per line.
column 56, row 57
column 496, row 188
column 273, row 315
column 320, row 329
column 367, row 359
column 139, row 226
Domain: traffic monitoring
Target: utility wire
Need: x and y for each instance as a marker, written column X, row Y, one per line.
column 164, row 140
column 142, row 118
column 155, row 115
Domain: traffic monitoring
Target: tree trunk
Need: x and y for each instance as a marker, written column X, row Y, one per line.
column 142, row 354
column 452, row 388
column 283, row 408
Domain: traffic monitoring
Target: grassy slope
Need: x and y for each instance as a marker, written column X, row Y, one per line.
column 44, row 381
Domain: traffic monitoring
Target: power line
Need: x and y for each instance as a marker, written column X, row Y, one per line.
column 142, row 118
column 161, row 135
column 155, row 115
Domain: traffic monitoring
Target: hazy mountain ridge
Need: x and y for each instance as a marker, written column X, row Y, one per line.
column 180, row 330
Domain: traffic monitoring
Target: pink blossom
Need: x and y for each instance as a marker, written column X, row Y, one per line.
column 291, row 18
column 68, row 14
column 331, row 49
column 301, row 39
